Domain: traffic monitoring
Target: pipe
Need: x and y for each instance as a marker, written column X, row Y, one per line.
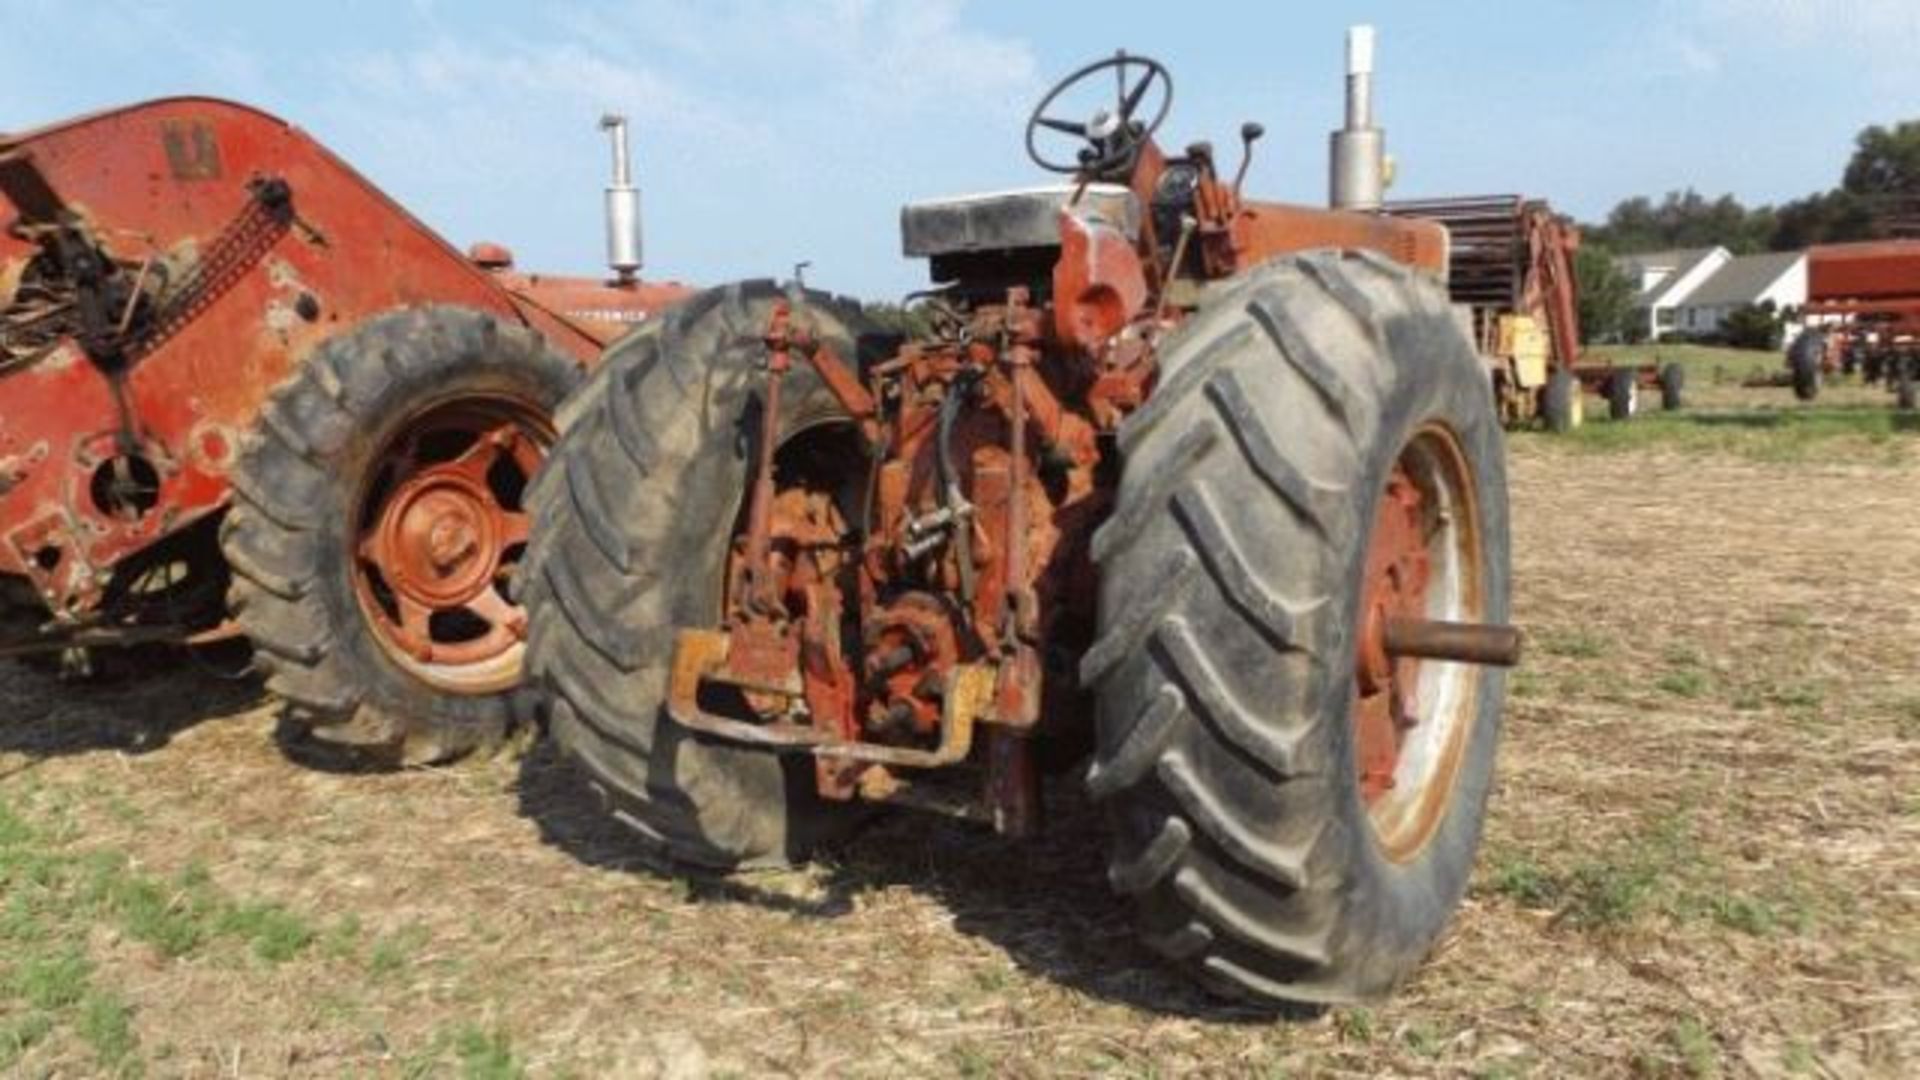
column 1466, row 643
column 625, row 241
column 1357, row 166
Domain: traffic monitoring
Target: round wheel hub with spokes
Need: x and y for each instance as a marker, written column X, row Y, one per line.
column 1411, row 719
column 442, row 526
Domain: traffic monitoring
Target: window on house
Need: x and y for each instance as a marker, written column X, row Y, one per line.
column 1663, row 316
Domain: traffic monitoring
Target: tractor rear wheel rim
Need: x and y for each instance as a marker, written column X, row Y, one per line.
column 1412, row 719
column 442, row 524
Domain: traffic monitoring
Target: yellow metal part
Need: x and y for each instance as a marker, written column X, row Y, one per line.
column 1523, row 342
column 701, row 656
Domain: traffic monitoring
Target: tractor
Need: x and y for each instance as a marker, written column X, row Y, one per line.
column 244, row 393
column 1195, row 499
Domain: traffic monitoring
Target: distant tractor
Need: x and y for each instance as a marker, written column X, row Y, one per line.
column 1206, row 491
column 1863, row 315
column 244, row 392
column 1511, row 264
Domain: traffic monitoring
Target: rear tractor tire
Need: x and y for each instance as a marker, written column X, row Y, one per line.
column 1295, row 814
column 378, row 518
column 635, row 525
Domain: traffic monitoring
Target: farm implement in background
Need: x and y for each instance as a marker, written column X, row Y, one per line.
column 1863, row 318
column 1207, row 489
column 1511, row 263
column 243, row 392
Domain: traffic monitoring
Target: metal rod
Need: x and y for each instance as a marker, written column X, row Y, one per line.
column 761, row 596
column 1466, row 643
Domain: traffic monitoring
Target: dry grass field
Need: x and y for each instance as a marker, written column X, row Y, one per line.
column 1703, row 856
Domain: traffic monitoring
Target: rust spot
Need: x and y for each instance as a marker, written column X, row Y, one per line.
column 192, row 151
column 212, row 447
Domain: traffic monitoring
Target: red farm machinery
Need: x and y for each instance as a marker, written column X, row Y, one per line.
column 243, row 392
column 1196, row 498
column 1862, row 316
column 1511, row 264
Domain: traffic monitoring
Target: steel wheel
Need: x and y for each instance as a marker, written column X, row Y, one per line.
column 1411, row 719
column 441, row 528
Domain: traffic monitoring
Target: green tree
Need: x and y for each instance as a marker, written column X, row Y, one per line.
column 1754, row 326
column 1605, row 296
column 1830, row 217
column 1685, row 219
column 1886, row 161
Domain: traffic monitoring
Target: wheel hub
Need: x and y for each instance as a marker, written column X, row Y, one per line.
column 437, row 539
column 1424, row 581
column 441, row 528
column 1398, row 569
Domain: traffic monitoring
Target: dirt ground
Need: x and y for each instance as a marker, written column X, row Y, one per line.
column 1703, row 858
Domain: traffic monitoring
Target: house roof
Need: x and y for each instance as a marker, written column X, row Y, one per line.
column 1742, row 280
column 1679, row 262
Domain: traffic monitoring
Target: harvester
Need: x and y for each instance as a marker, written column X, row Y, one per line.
column 1511, row 264
column 243, row 392
column 1863, row 316
column 1195, row 498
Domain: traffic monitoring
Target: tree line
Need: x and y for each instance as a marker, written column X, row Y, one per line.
column 1878, row 197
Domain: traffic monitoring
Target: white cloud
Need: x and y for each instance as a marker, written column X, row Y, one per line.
column 1692, row 56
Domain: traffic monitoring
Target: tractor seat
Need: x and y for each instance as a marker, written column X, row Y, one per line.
column 1009, row 220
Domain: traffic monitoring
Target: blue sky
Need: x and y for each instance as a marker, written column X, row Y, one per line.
column 769, row 132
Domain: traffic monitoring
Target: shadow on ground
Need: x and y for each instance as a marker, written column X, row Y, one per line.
column 1783, row 419
column 1045, row 901
column 136, row 702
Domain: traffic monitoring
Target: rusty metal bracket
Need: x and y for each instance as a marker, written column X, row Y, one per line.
column 700, row 656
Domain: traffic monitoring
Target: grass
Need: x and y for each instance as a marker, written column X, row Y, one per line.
column 1772, row 436
column 1712, row 362
column 1663, row 871
column 57, row 898
column 1698, row 1050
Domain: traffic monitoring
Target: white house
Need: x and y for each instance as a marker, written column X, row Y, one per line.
column 1664, row 279
column 1777, row 277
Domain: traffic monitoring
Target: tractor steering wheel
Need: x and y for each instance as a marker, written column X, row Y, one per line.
column 1110, row 137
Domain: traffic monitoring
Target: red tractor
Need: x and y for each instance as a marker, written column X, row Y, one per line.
column 1205, row 491
column 244, row 392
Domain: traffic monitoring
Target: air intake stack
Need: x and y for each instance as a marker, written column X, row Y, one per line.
column 1359, row 159
column 623, row 206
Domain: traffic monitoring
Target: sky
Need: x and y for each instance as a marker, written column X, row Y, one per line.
column 767, row 132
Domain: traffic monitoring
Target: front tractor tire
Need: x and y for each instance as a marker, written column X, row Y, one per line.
column 378, row 517
column 1320, row 432
column 635, row 524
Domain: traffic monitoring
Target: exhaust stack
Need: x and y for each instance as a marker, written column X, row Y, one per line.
column 1359, row 160
column 624, row 238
